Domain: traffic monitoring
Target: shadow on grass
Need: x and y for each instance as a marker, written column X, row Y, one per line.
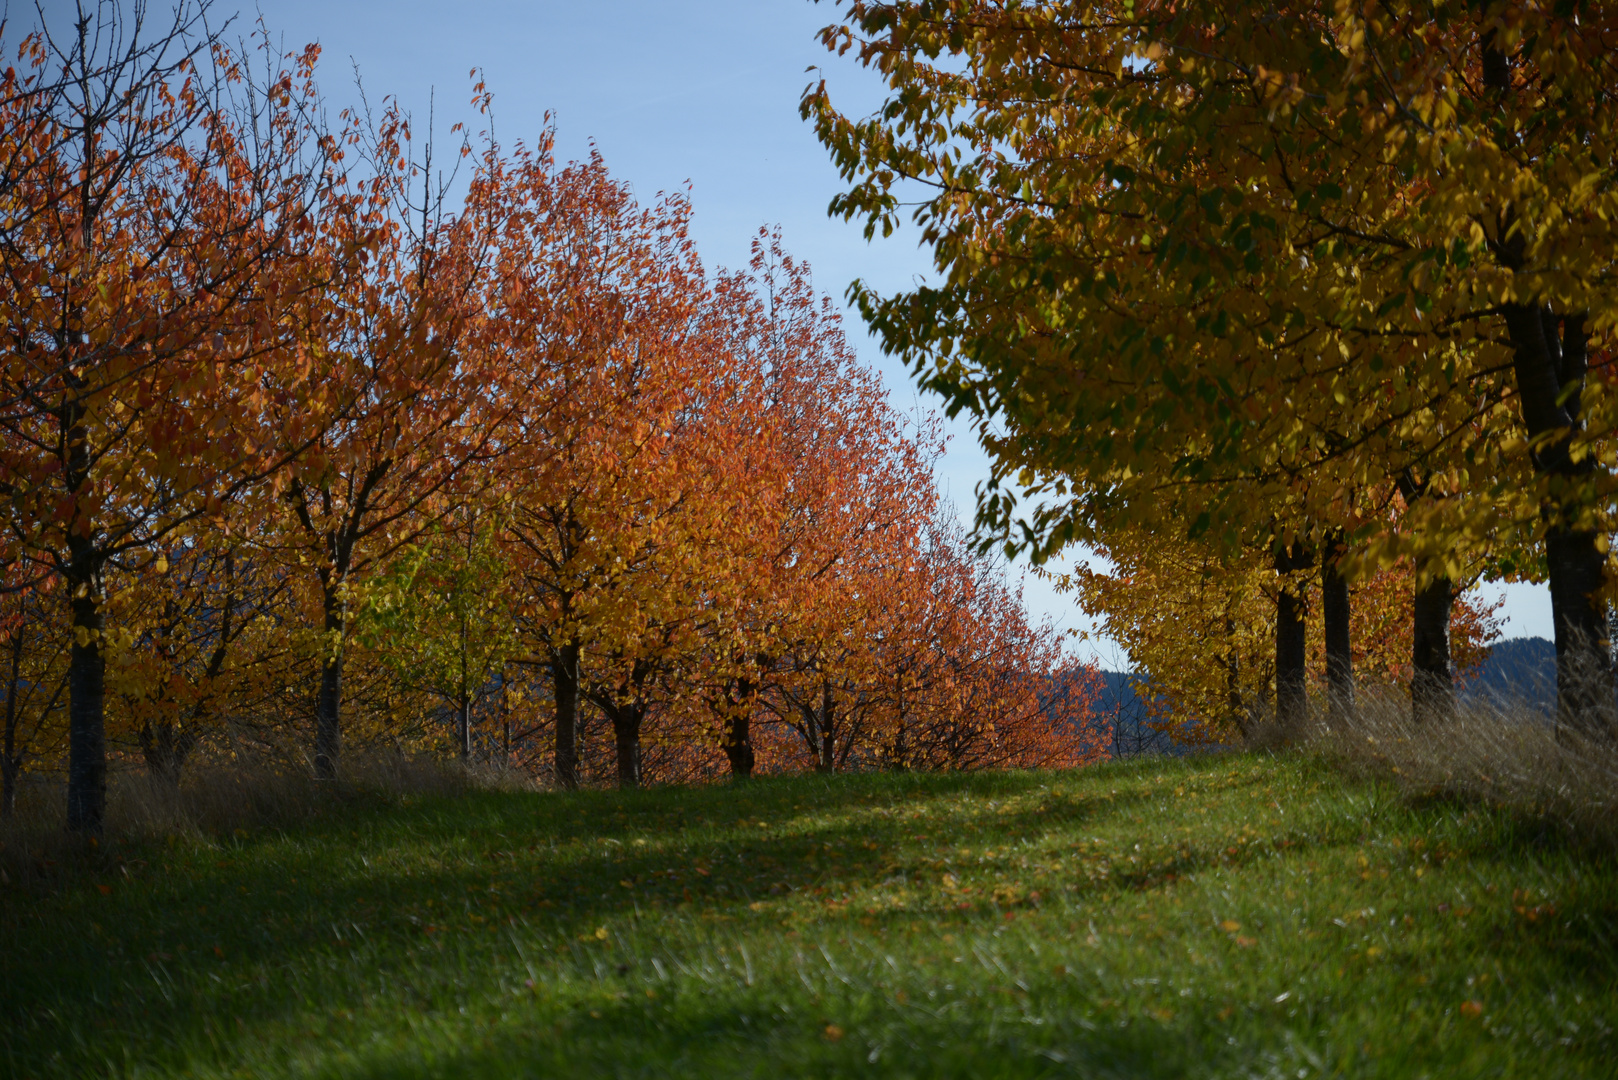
column 170, row 939
column 446, row 892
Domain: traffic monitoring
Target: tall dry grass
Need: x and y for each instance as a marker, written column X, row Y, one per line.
column 219, row 798
column 1504, row 753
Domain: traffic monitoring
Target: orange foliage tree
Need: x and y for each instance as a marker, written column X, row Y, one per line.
column 298, row 441
column 606, row 478
column 146, row 211
column 418, row 403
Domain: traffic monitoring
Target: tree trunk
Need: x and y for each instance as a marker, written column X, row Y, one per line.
column 328, row 704
column 565, row 675
column 463, row 726
column 463, row 718
column 10, row 760
column 87, row 665
column 826, row 761
column 1550, row 371
column 1584, row 677
column 626, row 724
column 1334, row 603
column 898, row 752
column 739, row 732
column 1291, row 651
column 166, row 746
column 87, row 739
column 1432, row 685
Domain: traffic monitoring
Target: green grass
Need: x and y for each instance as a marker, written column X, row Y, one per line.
column 1235, row 916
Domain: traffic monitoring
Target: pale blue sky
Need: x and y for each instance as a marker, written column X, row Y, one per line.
column 704, row 94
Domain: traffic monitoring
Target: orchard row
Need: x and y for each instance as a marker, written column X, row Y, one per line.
column 322, row 431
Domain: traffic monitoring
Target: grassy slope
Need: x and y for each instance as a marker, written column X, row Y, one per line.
column 1215, row 917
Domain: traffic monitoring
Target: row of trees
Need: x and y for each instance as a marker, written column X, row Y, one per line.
column 1199, row 624
column 1297, row 294
column 291, row 439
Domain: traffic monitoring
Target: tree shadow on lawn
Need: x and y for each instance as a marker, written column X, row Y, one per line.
column 357, row 925
column 220, row 935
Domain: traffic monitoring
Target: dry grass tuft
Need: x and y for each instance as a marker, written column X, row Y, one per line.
column 1503, row 753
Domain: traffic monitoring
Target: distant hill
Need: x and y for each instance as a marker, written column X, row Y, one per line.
column 1519, row 670
column 1130, row 735
column 1118, row 689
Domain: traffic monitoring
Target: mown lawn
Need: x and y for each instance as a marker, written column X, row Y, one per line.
column 1234, row 916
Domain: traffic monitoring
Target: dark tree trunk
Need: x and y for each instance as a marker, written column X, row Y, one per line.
column 826, row 719
column 1584, row 678
column 10, row 760
column 898, row 755
column 86, row 709
column 1432, row 685
column 1334, row 602
column 328, row 703
column 626, row 725
column 739, row 731
column 87, row 739
column 463, row 711
column 1550, row 370
column 166, row 746
column 1291, row 650
column 565, row 675
column 1576, row 565
column 625, row 707
column 8, row 785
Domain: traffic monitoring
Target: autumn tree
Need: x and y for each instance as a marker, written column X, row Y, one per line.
column 441, row 614
column 606, row 300
column 1203, row 248
column 845, row 483
column 416, row 398
column 147, row 207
